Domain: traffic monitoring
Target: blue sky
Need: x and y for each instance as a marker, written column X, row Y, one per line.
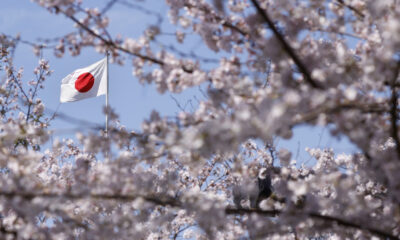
column 132, row 101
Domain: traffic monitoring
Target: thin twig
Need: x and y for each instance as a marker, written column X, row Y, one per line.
column 224, row 21
column 33, row 95
column 312, row 115
column 108, row 6
column 186, row 55
column 337, row 33
column 29, row 43
column 180, row 231
column 144, row 10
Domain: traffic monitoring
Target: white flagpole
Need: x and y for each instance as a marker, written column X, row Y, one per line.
column 107, row 110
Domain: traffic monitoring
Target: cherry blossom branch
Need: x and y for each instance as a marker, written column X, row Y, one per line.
column 159, row 200
column 186, row 55
column 393, row 110
column 338, row 33
column 289, row 50
column 110, row 43
column 352, row 224
column 203, row 179
column 11, row 71
column 176, row 234
column 366, row 108
column 169, row 201
column 272, row 151
column 26, row 42
column 330, row 219
column 355, row 10
column 39, row 78
column 225, row 22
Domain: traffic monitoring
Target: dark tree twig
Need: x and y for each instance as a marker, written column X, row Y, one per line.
column 329, row 219
column 393, row 110
column 108, row 6
column 285, row 45
column 355, row 10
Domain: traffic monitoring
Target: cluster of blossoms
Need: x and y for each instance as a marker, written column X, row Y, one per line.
column 281, row 64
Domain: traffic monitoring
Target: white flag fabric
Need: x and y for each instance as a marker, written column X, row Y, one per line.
column 85, row 82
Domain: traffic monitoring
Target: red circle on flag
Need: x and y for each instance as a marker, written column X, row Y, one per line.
column 84, row 82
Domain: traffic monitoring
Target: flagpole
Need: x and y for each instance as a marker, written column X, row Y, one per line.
column 107, row 110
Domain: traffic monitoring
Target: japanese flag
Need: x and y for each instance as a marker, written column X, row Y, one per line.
column 85, row 82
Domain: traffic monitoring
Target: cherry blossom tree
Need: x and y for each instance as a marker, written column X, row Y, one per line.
column 280, row 64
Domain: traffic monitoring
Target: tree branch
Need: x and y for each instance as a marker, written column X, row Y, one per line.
column 111, row 44
column 159, row 200
column 225, row 22
column 329, row 219
column 355, row 10
column 377, row 108
column 108, row 6
column 285, row 45
column 173, row 202
column 393, row 110
column 39, row 78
